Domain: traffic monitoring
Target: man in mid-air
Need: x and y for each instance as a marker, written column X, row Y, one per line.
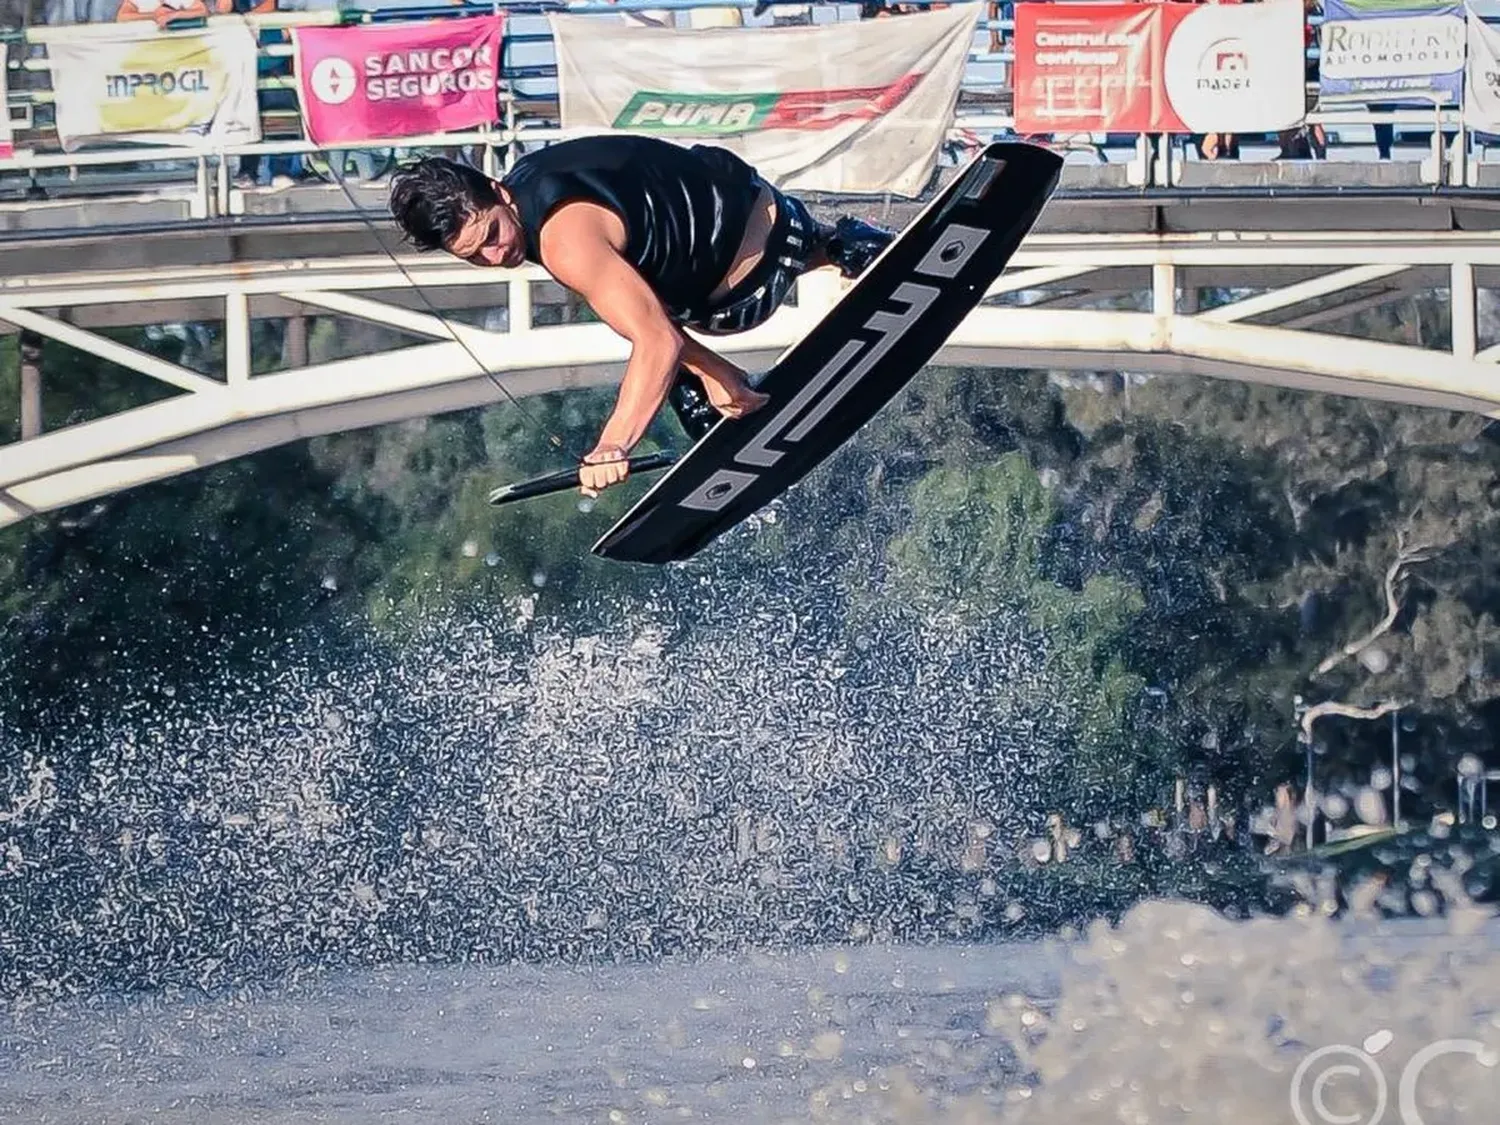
column 656, row 238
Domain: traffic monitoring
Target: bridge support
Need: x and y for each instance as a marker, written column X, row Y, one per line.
column 31, row 385
column 1464, row 302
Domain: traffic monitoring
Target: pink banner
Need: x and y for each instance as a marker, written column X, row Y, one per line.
column 373, row 83
column 7, row 150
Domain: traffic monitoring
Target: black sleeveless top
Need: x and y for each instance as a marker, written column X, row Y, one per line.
column 684, row 209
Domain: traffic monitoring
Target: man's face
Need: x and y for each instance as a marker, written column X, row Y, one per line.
column 490, row 237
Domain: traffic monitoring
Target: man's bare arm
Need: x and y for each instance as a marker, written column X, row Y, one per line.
column 706, row 363
column 577, row 251
column 727, row 385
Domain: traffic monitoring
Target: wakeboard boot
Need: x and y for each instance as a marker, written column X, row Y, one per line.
column 853, row 244
column 689, row 402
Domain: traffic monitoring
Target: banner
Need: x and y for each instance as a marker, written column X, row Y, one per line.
column 137, row 83
column 7, row 145
column 1482, row 74
column 1235, row 69
column 858, row 106
column 1391, row 51
column 1086, row 68
column 1159, row 68
column 373, row 83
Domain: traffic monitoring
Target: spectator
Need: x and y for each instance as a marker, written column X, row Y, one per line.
column 1306, row 141
column 163, row 12
column 282, row 96
column 59, row 13
column 647, row 17
column 1218, row 146
column 992, row 13
column 885, row 9
column 1385, row 131
column 702, row 18
column 785, row 15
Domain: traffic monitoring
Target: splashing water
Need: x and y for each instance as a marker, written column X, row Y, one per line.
column 503, row 789
column 192, row 893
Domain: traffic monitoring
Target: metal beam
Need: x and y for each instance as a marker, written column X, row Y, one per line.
column 1143, row 342
column 187, row 282
column 236, row 338
column 1464, row 311
column 1342, row 309
column 1300, row 293
column 1037, row 277
column 30, row 355
column 85, row 341
column 393, row 316
column 519, row 302
column 1163, row 289
column 236, row 439
column 558, row 350
column 565, row 349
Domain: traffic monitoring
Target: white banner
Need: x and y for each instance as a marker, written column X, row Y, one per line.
column 1482, row 75
column 136, row 83
column 7, row 149
column 860, row 106
column 1237, row 68
column 1410, row 51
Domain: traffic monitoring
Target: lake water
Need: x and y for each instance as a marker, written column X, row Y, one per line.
column 1176, row 1015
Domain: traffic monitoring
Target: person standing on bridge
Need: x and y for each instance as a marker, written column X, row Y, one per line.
column 656, row 237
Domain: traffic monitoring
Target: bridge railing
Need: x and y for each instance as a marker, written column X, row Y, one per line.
column 1445, row 149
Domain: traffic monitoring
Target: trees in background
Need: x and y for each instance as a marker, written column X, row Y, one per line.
column 1194, row 553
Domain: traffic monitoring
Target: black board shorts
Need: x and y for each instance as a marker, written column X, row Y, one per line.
column 794, row 238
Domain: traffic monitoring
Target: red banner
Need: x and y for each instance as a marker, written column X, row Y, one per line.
column 374, row 83
column 1088, row 68
column 1158, row 67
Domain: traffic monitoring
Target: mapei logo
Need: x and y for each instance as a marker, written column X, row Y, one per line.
column 952, row 249
column 1224, row 66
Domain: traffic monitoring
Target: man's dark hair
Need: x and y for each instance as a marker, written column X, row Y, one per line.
column 433, row 198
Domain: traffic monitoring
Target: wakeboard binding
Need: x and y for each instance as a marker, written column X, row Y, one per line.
column 689, row 402
column 853, row 244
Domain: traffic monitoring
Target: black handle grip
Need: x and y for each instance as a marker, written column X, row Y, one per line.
column 564, row 479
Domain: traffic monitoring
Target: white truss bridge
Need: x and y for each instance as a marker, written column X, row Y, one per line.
column 1271, row 306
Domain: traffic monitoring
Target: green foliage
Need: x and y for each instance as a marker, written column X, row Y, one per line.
column 10, row 388
column 441, row 545
column 1084, row 630
column 976, row 536
column 1293, row 507
column 976, row 549
column 191, row 573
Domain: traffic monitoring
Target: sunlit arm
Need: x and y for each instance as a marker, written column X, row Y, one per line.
column 709, row 365
column 648, row 378
column 623, row 300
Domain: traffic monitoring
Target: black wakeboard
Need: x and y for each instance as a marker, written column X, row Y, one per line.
column 882, row 332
